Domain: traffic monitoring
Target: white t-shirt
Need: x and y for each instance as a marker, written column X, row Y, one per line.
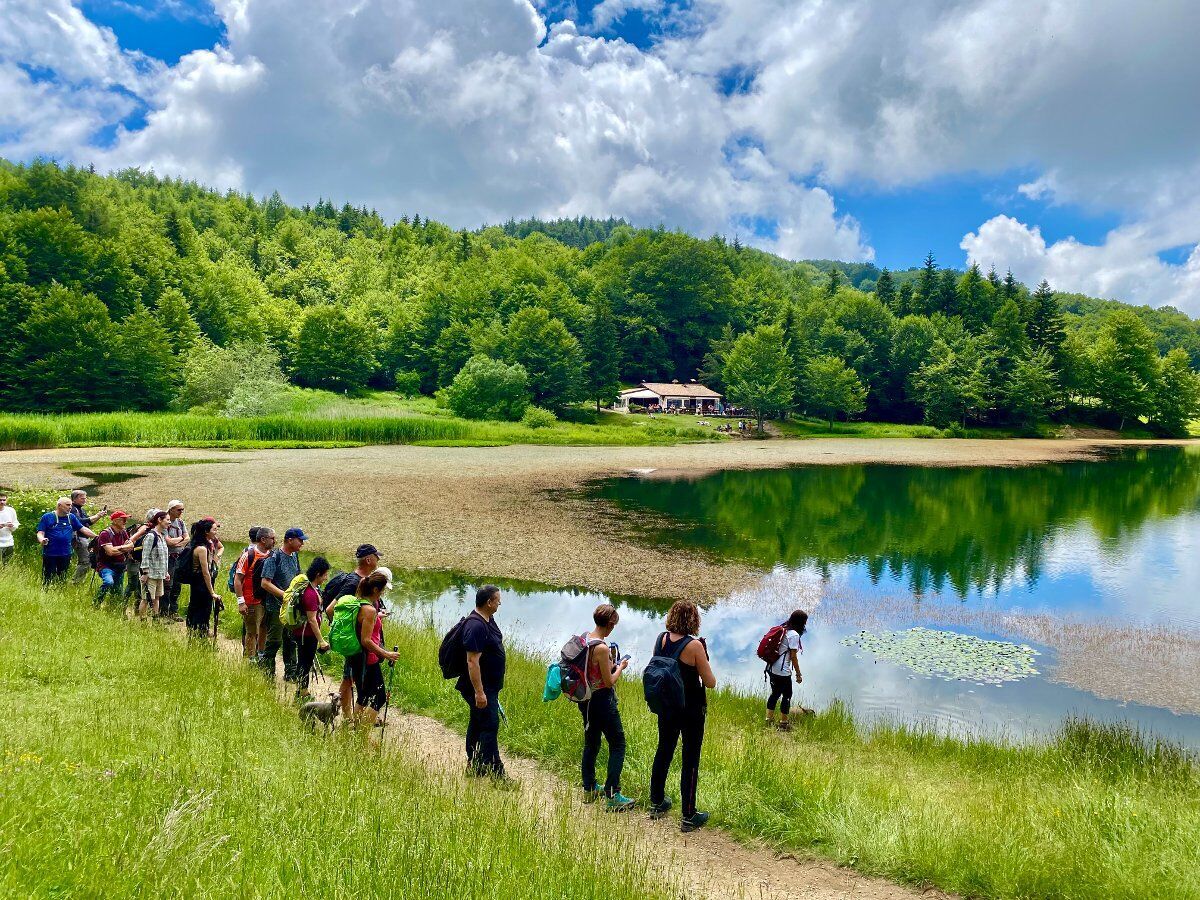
column 783, row 665
column 8, row 516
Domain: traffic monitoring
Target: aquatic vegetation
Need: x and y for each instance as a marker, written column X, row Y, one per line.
column 949, row 655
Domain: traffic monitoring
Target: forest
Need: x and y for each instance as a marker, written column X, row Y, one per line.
column 134, row 292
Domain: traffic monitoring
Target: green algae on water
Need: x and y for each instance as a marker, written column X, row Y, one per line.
column 949, row 655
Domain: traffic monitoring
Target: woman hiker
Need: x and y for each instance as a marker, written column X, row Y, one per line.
column 601, row 718
column 680, row 641
column 308, row 636
column 780, row 672
column 197, row 574
column 365, row 668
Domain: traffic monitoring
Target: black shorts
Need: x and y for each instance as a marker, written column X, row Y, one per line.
column 368, row 681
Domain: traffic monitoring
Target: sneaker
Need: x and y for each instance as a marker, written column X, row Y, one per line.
column 618, row 802
column 693, row 822
column 658, row 810
column 591, row 796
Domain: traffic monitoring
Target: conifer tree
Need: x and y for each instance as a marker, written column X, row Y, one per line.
column 925, row 296
column 1044, row 321
column 885, row 290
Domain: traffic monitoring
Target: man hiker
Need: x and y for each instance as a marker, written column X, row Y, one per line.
column 480, row 686
column 113, row 549
column 367, row 559
column 80, row 544
column 250, row 605
column 57, row 531
column 177, row 539
column 278, row 570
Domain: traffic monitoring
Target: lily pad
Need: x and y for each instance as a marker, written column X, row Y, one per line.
column 949, row 655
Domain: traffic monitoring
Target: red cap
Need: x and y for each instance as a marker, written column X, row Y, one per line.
column 119, row 514
column 209, row 519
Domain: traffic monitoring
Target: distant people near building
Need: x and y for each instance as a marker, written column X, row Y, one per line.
column 113, row 549
column 366, row 561
column 57, row 532
column 278, row 570
column 153, row 565
column 177, row 541
column 480, row 686
column 249, row 600
column 194, row 568
column 8, row 524
column 83, row 565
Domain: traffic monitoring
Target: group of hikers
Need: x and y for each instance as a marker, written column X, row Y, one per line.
column 300, row 614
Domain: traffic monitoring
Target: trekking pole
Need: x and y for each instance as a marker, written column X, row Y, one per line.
column 387, row 697
column 217, row 607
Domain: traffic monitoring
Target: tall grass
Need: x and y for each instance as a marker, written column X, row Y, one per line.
column 135, row 766
column 1097, row 812
column 36, row 431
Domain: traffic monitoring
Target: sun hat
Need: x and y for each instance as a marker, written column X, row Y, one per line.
column 173, row 504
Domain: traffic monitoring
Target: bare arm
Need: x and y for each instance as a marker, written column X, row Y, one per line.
column 699, row 658
column 201, row 553
column 476, row 678
column 608, row 677
column 796, row 665
column 366, row 634
column 314, row 624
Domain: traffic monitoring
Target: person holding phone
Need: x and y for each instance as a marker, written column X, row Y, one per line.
column 601, row 718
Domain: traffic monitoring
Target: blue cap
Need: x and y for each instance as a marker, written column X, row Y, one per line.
column 295, row 533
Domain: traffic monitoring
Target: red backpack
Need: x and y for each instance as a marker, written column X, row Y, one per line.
column 770, row 647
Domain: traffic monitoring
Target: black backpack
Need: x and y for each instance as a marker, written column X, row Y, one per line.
column 452, row 655
column 256, row 577
column 662, row 680
column 182, row 572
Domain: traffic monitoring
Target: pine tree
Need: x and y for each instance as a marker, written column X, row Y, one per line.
column 925, row 298
column 885, row 290
column 905, row 301
column 947, row 294
column 1044, row 321
column 464, row 246
column 835, row 282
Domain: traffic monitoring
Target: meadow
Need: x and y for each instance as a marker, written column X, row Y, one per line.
column 134, row 765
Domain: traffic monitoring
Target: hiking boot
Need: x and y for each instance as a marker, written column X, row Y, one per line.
column 658, row 810
column 591, row 796
column 693, row 822
column 618, row 802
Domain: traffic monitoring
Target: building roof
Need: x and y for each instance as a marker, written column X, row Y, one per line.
column 675, row 389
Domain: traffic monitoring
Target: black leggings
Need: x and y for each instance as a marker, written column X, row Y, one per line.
column 368, row 681
column 781, row 686
column 308, row 655
column 689, row 726
column 601, row 719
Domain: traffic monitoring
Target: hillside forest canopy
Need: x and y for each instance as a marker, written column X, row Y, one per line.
column 130, row 291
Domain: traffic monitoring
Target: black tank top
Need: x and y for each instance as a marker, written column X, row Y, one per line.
column 693, row 688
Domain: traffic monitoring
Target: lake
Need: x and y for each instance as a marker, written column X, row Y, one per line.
column 1060, row 567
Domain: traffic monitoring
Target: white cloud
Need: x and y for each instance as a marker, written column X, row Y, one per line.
column 607, row 12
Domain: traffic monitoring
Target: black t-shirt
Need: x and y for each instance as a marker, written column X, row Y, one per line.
column 341, row 585
column 484, row 637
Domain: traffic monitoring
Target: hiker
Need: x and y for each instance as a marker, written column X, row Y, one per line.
column 57, row 531
column 153, row 566
column 308, row 635
column 8, row 524
column 278, row 570
column 83, row 563
column 481, row 684
column 786, row 663
column 364, row 665
column 113, row 548
column 601, row 718
column 194, row 569
column 133, row 565
column 249, row 602
column 680, row 642
column 177, row 542
column 367, row 558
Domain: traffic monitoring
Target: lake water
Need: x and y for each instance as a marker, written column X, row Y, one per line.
column 1026, row 556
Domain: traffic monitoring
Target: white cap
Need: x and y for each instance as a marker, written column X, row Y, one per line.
column 152, row 512
column 173, row 504
column 387, row 573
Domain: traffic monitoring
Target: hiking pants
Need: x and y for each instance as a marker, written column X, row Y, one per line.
column 307, row 655
column 279, row 638
column 483, row 746
column 169, row 606
column 689, row 726
column 82, row 564
column 602, row 719
column 781, row 686
column 54, row 568
column 112, row 579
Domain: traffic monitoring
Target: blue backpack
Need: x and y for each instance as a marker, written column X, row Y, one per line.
column 662, row 681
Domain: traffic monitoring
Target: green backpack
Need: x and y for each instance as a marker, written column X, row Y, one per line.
column 343, row 634
column 291, row 613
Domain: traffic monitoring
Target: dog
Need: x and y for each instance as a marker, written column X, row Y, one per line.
column 323, row 711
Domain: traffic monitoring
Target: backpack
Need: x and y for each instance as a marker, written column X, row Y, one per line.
column 93, row 552
column 233, row 567
column 341, row 584
column 183, row 566
column 770, row 648
column 662, row 680
column 256, row 577
column 452, row 655
column 291, row 613
column 343, row 633
column 573, row 661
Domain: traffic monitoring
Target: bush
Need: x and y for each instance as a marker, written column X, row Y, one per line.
column 486, row 388
column 954, row 430
column 255, row 398
column 211, row 373
column 536, row 417
column 408, row 384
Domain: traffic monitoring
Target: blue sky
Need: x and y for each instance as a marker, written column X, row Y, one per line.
column 1020, row 133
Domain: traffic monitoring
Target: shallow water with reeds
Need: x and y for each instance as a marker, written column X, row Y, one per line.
column 975, row 600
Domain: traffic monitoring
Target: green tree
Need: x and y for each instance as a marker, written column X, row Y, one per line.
column 1176, row 396
column 833, row 283
column 758, row 373
column 1124, row 367
column 211, row 374
column 333, row 349
column 175, row 316
column 885, row 290
column 950, row 386
column 974, row 298
column 144, row 358
column 549, row 354
column 832, row 388
column 1032, row 391
column 925, row 298
column 603, row 353
column 712, row 372
column 487, row 388
column 1044, row 320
